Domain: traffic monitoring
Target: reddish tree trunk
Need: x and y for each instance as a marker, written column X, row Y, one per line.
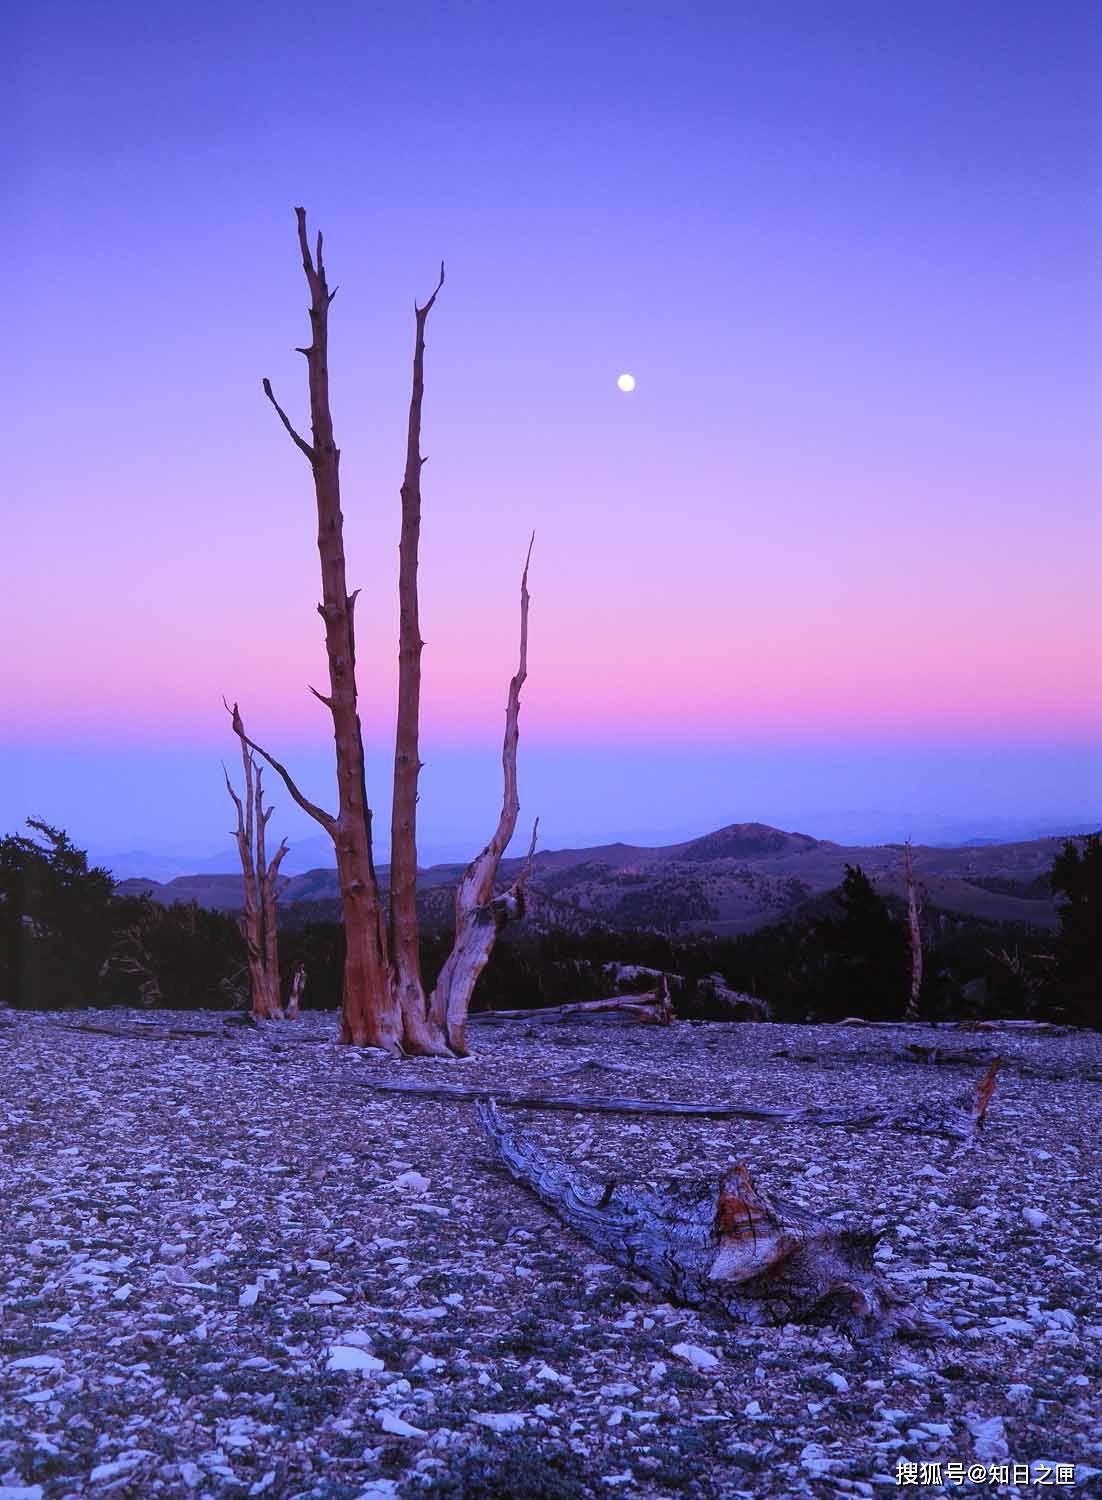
column 420, row 1035
column 384, row 1001
column 369, row 1010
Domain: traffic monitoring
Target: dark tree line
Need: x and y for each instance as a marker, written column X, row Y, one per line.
column 67, row 940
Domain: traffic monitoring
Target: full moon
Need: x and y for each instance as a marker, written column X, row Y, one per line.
column 626, row 382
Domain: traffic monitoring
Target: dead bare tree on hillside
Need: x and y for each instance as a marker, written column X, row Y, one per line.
column 384, row 1000
column 914, row 933
column 260, row 876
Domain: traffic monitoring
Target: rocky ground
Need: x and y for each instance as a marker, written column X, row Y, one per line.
column 230, row 1268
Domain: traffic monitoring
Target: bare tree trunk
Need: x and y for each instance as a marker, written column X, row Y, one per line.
column 914, row 932
column 294, row 1000
column 267, row 874
column 479, row 915
column 260, row 877
column 370, row 1014
column 419, row 1035
column 384, row 1002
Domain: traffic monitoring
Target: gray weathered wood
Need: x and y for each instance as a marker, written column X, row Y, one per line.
column 956, row 1119
column 723, row 1243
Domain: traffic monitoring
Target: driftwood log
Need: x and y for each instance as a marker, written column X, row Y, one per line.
column 957, row 1119
column 723, row 1244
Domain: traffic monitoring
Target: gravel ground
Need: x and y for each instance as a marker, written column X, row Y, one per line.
column 231, row 1269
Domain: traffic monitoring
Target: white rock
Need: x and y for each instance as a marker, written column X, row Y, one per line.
column 1034, row 1217
column 249, row 1295
column 20, row 1492
column 500, row 1421
column 816, row 1460
column 326, row 1299
column 347, row 1357
column 1019, row 1394
column 37, row 1362
column 424, row 1314
column 692, row 1354
column 839, row 1382
column 118, row 1466
column 545, row 1372
column 390, row 1422
column 358, row 1337
column 379, row 1489
column 1008, row 1327
column 169, row 1251
column 989, row 1437
column 123, row 1293
column 427, row 1364
column 411, row 1182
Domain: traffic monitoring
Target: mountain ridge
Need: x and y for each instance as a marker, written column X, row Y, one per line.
column 731, row 880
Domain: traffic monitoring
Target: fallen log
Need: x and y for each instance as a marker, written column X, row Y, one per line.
column 140, row 1032
column 916, row 1052
column 1011, row 1028
column 956, row 1119
column 723, row 1244
column 655, row 1009
column 150, row 1031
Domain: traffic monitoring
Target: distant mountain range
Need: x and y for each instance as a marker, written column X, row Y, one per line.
column 729, row 881
column 857, row 830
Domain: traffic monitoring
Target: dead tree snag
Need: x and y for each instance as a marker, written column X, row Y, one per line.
column 479, row 914
column 384, row 1002
column 914, row 934
column 260, row 878
column 294, row 999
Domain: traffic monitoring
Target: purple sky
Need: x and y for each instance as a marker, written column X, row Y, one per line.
column 838, row 551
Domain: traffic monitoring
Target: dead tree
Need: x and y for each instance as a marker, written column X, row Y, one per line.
column 294, row 999
column 260, row 878
column 724, row 1244
column 914, row 933
column 384, row 1002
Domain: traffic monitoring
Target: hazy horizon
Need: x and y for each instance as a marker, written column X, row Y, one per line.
column 116, row 801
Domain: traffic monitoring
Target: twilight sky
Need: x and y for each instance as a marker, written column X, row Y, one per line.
column 836, row 554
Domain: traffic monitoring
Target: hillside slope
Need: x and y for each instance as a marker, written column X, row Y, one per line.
column 728, row 881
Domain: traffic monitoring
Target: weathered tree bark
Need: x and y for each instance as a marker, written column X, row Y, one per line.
column 370, row 1014
column 419, row 1033
column 914, row 932
column 479, row 914
column 384, row 1002
column 724, row 1244
column 260, row 876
